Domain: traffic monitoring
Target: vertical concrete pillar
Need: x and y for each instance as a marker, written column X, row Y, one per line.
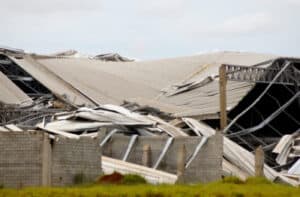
column 146, row 157
column 181, row 156
column 46, row 160
column 223, row 100
column 259, row 162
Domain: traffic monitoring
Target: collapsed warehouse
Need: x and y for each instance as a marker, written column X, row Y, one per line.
column 112, row 97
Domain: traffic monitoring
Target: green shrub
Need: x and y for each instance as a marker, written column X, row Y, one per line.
column 133, row 179
column 232, row 179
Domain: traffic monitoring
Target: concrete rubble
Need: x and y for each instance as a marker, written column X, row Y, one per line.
column 75, row 97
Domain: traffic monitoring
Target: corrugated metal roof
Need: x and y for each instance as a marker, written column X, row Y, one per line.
column 205, row 100
column 113, row 82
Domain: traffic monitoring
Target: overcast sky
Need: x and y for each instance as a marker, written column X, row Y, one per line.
column 151, row 29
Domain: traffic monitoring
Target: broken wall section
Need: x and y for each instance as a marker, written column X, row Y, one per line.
column 206, row 166
column 31, row 159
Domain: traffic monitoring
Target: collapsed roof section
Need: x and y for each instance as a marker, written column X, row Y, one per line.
column 186, row 86
column 262, row 98
column 107, row 82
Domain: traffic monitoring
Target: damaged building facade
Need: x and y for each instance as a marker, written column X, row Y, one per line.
column 146, row 115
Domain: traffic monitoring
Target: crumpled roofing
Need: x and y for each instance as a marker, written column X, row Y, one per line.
column 146, row 81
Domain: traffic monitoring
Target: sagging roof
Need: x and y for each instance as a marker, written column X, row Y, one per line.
column 159, row 82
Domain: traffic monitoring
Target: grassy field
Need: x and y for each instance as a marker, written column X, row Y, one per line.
column 234, row 188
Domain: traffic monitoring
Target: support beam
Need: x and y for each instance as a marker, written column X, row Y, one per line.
column 196, row 151
column 164, row 151
column 108, row 136
column 223, row 101
column 130, row 145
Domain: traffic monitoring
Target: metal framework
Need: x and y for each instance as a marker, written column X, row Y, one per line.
column 283, row 72
column 262, row 75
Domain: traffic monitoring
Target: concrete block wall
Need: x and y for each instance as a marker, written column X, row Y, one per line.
column 20, row 159
column 75, row 158
column 31, row 159
column 206, row 167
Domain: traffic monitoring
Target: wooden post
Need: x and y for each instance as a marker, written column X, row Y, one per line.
column 181, row 155
column 259, row 162
column 223, row 101
column 146, row 158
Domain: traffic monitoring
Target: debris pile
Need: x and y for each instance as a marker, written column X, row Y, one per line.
column 74, row 97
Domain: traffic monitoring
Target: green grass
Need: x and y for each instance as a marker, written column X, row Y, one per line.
column 254, row 187
column 133, row 179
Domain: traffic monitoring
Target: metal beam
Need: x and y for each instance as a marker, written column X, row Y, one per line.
column 130, row 145
column 261, row 75
column 164, row 151
column 196, row 151
column 108, row 136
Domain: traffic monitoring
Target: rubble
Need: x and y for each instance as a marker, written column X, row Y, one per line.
column 176, row 98
column 113, row 57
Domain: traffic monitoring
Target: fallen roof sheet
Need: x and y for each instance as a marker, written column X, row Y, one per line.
column 153, row 176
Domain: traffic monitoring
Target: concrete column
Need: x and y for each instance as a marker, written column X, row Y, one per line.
column 259, row 162
column 146, row 158
column 46, row 160
column 181, row 156
column 223, row 100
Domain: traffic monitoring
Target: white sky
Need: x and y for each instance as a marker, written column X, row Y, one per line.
column 150, row 29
